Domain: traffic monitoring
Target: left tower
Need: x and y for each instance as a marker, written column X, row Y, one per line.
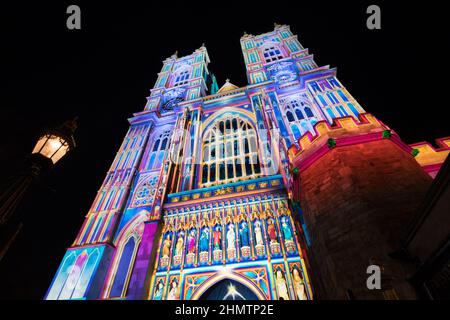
column 107, row 258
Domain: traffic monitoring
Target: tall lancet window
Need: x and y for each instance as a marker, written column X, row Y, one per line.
column 230, row 152
column 158, row 150
column 300, row 116
column 124, row 268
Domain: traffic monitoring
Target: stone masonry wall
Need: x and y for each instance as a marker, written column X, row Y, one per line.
column 357, row 201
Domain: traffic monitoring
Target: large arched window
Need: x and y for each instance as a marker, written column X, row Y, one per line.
column 230, row 152
column 157, row 152
column 272, row 53
column 299, row 115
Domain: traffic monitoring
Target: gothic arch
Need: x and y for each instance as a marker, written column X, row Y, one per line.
column 178, row 78
column 139, row 218
column 300, row 114
column 133, row 229
column 154, row 147
column 230, row 148
column 275, row 49
column 219, row 276
column 245, row 114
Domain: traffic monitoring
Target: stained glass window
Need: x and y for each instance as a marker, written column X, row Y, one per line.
column 236, row 142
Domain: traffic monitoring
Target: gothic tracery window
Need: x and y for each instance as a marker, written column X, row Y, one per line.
column 181, row 77
column 158, row 150
column 230, row 152
column 144, row 194
column 300, row 116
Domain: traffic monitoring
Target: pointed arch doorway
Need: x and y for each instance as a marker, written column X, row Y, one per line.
column 228, row 289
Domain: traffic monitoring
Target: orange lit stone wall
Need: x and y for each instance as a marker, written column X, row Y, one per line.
column 356, row 200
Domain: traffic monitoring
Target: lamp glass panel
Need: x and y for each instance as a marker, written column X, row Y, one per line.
column 39, row 144
column 52, row 147
column 60, row 153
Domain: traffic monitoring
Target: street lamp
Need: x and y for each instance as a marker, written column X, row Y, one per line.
column 55, row 144
column 51, row 146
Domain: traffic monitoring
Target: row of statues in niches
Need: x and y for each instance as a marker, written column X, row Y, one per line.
column 291, row 285
column 228, row 243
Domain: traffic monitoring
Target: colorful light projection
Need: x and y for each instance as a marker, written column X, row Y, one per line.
column 74, row 275
column 198, row 200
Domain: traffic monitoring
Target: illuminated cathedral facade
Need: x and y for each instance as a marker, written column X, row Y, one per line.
column 201, row 200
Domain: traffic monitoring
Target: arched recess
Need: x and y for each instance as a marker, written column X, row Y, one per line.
column 231, row 150
column 123, row 270
column 156, row 148
column 228, row 289
column 228, row 275
column 127, row 244
column 300, row 115
column 272, row 51
column 181, row 75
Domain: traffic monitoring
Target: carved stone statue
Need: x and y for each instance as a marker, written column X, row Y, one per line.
column 173, row 293
column 191, row 242
column 159, row 290
column 299, row 285
column 272, row 231
column 258, row 234
column 166, row 246
column 231, row 237
column 286, row 231
column 204, row 241
column 217, row 237
column 244, row 235
column 281, row 286
column 179, row 246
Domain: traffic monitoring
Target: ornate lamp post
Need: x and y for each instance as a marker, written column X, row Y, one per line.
column 52, row 145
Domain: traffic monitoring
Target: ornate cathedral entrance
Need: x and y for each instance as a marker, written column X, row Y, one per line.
column 228, row 290
column 200, row 193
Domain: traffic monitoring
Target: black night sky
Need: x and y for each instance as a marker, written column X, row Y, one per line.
column 103, row 73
